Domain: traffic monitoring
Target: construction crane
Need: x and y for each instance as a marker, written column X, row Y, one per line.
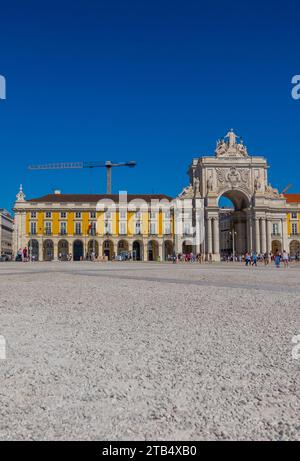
column 108, row 164
column 288, row 187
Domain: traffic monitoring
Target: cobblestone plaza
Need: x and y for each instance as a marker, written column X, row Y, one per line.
column 135, row 351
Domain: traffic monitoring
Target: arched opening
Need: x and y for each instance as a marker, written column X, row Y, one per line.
column 108, row 249
column 276, row 247
column 123, row 250
column 168, row 250
column 92, row 249
column 48, row 250
column 295, row 249
column 63, row 250
column 33, row 249
column 153, row 250
column 187, row 247
column 234, row 239
column 136, row 251
column 78, row 250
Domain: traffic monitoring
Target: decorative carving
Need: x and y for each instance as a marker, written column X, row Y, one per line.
column 188, row 192
column 271, row 192
column 210, row 184
column 20, row 195
column 220, row 174
column 231, row 148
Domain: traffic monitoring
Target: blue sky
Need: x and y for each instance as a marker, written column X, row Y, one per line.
column 153, row 81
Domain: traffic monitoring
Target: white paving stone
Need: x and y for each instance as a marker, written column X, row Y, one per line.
column 121, row 351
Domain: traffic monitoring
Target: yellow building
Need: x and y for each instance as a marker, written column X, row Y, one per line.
column 62, row 226
column 293, row 223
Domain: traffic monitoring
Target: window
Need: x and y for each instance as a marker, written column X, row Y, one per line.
column 167, row 214
column 122, row 214
column 33, row 228
column 122, row 228
column 93, row 214
column 294, row 215
column 187, row 229
column 107, row 214
column 63, row 228
column 78, row 228
column 138, row 228
column 275, row 229
column 294, row 229
column 63, row 214
column 78, row 214
column 48, row 214
column 137, row 215
column 93, row 228
column 33, row 214
column 48, row 228
column 107, row 227
column 152, row 214
column 152, row 228
column 167, row 228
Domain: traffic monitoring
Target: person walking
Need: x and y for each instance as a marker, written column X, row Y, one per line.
column 254, row 259
column 247, row 259
column 285, row 258
column 277, row 260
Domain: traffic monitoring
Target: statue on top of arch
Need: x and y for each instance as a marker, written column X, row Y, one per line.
column 231, row 148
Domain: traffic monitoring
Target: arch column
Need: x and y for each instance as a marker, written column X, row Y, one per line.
column 216, row 237
column 269, row 235
column 209, row 235
column 160, row 251
column 145, row 252
column 257, row 236
column 263, row 235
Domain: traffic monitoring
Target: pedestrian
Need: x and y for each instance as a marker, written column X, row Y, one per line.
column 285, row 258
column 254, row 259
column 277, row 260
column 247, row 259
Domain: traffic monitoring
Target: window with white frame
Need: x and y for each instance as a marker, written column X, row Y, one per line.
column 77, row 228
column 33, row 214
column 294, row 228
column 107, row 214
column 122, row 214
column 63, row 214
column 33, row 228
column 107, row 227
column 48, row 228
column 122, row 228
column 63, row 228
column 138, row 215
column 167, row 214
column 93, row 228
column 294, row 215
column 138, row 227
column 152, row 228
column 78, row 214
column 152, row 214
column 48, row 214
column 167, row 228
column 93, row 214
column 275, row 229
column 187, row 228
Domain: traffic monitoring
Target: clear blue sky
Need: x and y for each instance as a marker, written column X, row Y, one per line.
column 153, row 81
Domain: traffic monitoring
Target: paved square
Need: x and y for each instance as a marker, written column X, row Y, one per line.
column 121, row 351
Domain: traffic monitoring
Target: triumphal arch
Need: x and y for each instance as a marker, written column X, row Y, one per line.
column 233, row 173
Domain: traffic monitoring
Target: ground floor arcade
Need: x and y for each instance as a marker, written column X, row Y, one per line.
column 49, row 249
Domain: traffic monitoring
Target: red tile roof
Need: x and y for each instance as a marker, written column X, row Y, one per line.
column 292, row 198
column 94, row 198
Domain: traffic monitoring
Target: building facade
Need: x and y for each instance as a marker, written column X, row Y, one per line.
column 154, row 227
column 6, row 233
